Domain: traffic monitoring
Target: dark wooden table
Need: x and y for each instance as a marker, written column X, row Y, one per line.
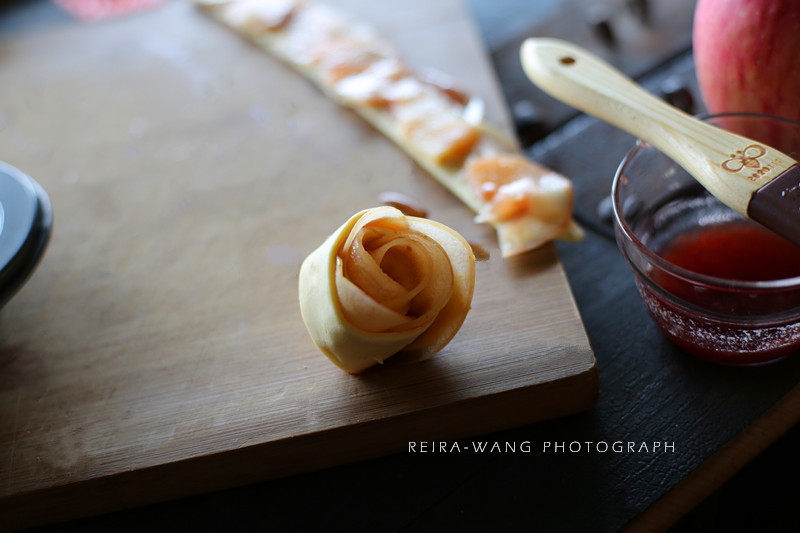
column 718, row 418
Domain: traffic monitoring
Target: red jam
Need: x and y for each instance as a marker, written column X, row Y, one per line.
column 736, row 250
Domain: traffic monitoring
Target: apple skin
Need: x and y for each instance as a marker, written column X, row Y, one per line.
column 747, row 56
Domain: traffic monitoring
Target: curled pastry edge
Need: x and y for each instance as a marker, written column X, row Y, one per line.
column 355, row 350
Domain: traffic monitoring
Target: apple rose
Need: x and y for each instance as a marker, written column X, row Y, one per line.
column 385, row 284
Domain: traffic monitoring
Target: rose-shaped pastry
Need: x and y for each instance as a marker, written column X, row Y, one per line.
column 385, row 284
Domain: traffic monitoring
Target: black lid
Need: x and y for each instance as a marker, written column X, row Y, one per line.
column 26, row 219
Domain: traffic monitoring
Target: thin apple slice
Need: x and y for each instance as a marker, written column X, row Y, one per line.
column 441, row 127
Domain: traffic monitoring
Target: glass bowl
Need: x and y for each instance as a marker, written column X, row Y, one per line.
column 728, row 321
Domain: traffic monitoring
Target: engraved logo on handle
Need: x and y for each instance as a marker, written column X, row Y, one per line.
column 748, row 159
column 744, row 158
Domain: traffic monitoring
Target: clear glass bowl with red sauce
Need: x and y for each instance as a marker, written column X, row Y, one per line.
column 720, row 286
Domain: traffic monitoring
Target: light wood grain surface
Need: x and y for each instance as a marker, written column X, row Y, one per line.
column 158, row 350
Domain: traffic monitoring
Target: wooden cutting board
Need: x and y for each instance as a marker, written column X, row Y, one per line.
column 158, row 351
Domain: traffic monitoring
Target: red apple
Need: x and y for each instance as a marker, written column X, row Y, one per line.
column 747, row 54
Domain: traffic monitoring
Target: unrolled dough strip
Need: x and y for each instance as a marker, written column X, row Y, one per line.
column 442, row 128
column 386, row 284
